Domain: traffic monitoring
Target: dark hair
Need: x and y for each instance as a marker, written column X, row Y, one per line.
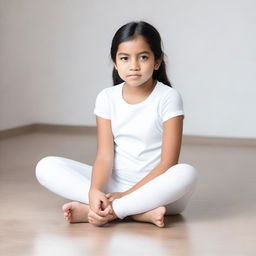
column 152, row 36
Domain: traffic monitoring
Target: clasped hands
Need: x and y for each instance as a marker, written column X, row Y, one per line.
column 100, row 210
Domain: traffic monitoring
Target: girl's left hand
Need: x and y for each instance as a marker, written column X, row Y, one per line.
column 112, row 196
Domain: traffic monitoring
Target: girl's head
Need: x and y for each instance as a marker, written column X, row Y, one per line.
column 136, row 50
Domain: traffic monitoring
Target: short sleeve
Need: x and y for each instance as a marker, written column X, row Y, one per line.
column 172, row 105
column 101, row 107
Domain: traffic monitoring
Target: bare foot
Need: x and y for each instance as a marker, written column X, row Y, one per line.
column 155, row 216
column 75, row 212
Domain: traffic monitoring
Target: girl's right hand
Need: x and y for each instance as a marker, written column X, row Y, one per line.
column 99, row 203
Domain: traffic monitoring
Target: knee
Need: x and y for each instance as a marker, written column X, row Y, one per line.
column 187, row 171
column 44, row 166
column 191, row 172
column 188, row 168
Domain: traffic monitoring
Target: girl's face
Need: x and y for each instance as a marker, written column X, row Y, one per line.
column 135, row 62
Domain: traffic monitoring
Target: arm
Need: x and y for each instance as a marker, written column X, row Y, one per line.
column 171, row 144
column 101, row 172
column 103, row 164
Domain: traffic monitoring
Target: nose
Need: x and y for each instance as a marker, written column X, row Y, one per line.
column 134, row 65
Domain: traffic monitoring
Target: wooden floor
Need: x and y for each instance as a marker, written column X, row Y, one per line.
column 219, row 220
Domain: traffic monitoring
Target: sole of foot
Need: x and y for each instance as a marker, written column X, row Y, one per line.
column 158, row 218
column 155, row 216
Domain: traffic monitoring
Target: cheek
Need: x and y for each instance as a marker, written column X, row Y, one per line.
column 121, row 72
column 150, row 68
column 121, row 68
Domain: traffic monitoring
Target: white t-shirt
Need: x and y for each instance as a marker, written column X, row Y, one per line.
column 137, row 128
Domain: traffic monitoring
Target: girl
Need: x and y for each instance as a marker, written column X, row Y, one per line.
column 139, row 133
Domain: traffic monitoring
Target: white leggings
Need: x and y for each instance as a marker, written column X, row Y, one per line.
column 72, row 179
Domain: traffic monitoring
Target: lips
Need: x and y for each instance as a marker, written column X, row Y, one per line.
column 134, row 75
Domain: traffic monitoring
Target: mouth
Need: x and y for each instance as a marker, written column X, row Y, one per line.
column 134, row 76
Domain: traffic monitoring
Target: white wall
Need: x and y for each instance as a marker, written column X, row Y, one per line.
column 54, row 59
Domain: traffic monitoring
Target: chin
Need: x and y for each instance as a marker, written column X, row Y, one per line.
column 133, row 84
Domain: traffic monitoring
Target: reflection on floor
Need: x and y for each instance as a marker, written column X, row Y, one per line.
column 219, row 220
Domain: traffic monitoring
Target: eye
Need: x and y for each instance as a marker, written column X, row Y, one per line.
column 144, row 57
column 123, row 58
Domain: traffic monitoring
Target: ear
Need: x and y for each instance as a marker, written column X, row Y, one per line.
column 157, row 64
column 115, row 66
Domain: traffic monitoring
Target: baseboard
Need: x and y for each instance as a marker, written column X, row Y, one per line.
column 21, row 130
column 224, row 141
column 92, row 130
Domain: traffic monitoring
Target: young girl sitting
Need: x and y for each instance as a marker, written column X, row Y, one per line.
column 139, row 133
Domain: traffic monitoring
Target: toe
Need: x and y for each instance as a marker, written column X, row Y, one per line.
column 159, row 223
column 67, row 207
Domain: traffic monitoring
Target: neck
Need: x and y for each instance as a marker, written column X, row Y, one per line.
column 142, row 89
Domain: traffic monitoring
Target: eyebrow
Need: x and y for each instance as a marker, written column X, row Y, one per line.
column 122, row 53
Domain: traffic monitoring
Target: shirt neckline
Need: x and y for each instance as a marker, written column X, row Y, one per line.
column 140, row 103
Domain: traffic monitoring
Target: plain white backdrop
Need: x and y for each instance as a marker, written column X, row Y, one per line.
column 55, row 58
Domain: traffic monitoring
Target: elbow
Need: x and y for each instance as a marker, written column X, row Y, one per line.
column 168, row 164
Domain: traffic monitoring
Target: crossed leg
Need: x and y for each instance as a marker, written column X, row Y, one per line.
column 71, row 179
column 78, row 212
